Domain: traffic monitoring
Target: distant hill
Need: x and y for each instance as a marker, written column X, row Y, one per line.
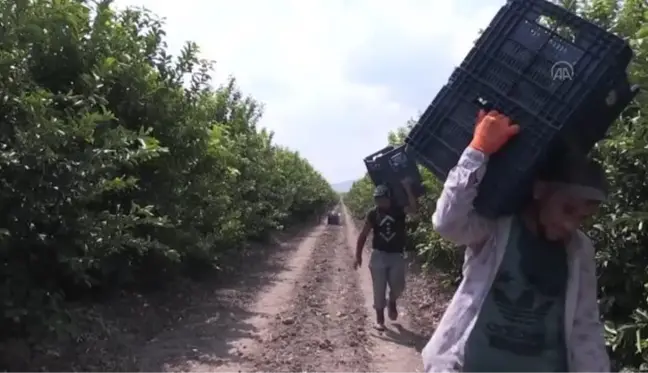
column 343, row 186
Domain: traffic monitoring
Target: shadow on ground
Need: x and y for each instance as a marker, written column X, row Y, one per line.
column 396, row 333
column 190, row 323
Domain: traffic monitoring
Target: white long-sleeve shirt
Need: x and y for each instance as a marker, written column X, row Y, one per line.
column 486, row 241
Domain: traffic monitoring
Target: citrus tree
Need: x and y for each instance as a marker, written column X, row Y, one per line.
column 121, row 164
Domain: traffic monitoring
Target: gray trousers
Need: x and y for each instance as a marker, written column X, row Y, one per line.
column 387, row 269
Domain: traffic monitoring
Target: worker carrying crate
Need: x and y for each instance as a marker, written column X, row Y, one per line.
column 563, row 81
column 509, row 135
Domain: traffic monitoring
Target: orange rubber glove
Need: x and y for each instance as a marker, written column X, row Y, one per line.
column 492, row 131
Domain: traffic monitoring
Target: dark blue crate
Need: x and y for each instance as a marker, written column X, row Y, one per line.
column 403, row 165
column 520, row 33
column 389, row 166
column 603, row 106
column 519, row 57
column 512, row 69
column 375, row 166
column 446, row 128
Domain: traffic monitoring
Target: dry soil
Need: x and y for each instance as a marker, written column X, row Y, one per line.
column 296, row 305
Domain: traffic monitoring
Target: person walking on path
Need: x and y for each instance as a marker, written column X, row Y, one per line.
column 527, row 301
column 387, row 263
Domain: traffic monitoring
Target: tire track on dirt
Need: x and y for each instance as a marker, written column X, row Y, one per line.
column 226, row 327
column 397, row 349
column 325, row 327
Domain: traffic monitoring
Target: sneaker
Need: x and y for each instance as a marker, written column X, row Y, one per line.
column 392, row 312
column 380, row 320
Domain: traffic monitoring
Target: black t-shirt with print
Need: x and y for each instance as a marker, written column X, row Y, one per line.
column 388, row 229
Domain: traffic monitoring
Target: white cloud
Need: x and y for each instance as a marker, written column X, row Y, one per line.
column 295, row 57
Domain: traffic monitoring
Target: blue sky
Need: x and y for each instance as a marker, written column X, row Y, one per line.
column 335, row 76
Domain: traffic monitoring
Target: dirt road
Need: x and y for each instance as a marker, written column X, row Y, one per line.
column 316, row 317
column 303, row 308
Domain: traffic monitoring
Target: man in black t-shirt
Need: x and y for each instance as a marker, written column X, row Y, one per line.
column 387, row 262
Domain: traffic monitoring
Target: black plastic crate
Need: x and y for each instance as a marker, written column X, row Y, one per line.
column 446, row 128
column 389, row 166
column 520, row 41
column 599, row 110
column 521, row 57
column 402, row 164
column 513, row 68
column 375, row 166
column 524, row 31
